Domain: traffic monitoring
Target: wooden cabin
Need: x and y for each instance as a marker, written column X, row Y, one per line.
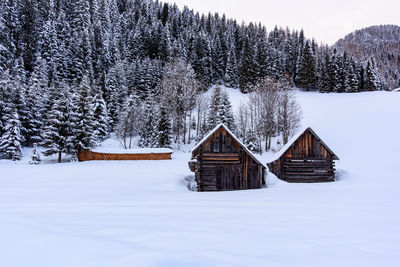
column 125, row 154
column 221, row 162
column 305, row 159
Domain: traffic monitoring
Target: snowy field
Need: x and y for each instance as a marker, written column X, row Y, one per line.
column 139, row 213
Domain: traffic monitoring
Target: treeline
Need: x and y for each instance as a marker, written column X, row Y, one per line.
column 121, row 49
column 381, row 42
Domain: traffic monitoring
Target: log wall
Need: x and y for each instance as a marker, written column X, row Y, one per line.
column 306, row 161
column 86, row 155
column 223, row 165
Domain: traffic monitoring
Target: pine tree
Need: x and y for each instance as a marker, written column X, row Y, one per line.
column 19, row 103
column 10, row 141
column 58, row 124
column 163, row 129
column 6, row 104
column 340, row 85
column 306, row 73
column 323, row 81
column 218, row 64
column 214, row 110
column 115, row 92
column 82, row 60
column 34, row 96
column 101, row 119
column 148, row 127
column 201, row 59
column 80, row 15
column 227, row 117
column 372, row 81
column 220, row 110
column 351, row 79
column 231, row 73
column 83, row 117
column 165, row 48
column 248, row 67
column 251, row 141
column 35, row 157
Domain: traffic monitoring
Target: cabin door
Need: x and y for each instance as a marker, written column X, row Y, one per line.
column 228, row 177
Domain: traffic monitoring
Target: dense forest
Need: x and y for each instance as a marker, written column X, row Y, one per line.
column 381, row 42
column 72, row 71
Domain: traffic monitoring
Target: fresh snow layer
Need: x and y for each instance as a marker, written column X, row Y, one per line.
column 131, row 151
column 140, row 213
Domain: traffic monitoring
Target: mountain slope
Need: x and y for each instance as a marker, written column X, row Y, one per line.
column 382, row 43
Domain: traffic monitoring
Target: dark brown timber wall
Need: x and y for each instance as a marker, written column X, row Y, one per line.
column 307, row 160
column 86, row 155
column 223, row 165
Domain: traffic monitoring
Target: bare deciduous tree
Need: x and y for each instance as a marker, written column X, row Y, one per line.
column 289, row 114
column 129, row 122
column 178, row 92
column 272, row 111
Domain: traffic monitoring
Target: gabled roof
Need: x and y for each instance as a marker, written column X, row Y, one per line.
column 232, row 135
column 286, row 147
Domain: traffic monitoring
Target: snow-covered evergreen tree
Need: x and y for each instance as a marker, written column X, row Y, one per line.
column 248, row 67
column 34, row 100
column 11, row 139
column 100, row 116
column 83, row 127
column 231, row 75
column 251, row 141
column 148, row 125
column 305, row 72
column 6, row 103
column 226, row 113
column 35, row 157
column 372, row 81
column 163, row 129
column 215, row 108
column 58, row 124
column 220, row 110
column 351, row 79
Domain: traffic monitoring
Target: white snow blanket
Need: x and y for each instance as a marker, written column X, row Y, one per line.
column 139, row 213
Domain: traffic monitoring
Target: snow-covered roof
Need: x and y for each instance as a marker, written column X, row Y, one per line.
column 283, row 150
column 232, row 135
column 131, row 151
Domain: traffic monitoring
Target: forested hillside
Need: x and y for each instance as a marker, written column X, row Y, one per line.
column 72, row 71
column 382, row 43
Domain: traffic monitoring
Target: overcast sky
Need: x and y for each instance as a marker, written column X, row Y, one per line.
column 326, row 21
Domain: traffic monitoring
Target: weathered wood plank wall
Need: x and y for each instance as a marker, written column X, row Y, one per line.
column 306, row 160
column 86, row 155
column 223, row 165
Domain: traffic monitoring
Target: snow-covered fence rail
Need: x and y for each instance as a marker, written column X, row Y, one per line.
column 125, row 154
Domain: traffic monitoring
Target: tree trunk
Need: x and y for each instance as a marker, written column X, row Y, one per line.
column 59, row 156
column 190, row 125
column 184, row 129
column 198, row 120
